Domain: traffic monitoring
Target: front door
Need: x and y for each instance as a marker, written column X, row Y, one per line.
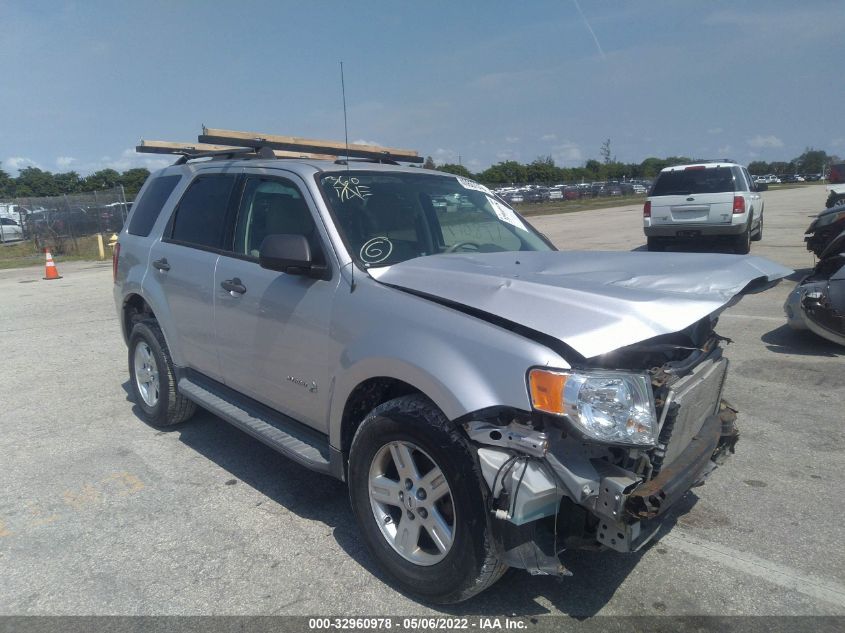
column 272, row 328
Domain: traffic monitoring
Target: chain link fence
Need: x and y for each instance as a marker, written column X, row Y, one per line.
column 58, row 222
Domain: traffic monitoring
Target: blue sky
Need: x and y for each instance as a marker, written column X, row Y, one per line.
column 483, row 81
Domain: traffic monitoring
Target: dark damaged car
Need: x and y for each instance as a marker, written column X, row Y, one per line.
column 817, row 303
column 491, row 402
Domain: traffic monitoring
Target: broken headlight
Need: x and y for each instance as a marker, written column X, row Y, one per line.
column 609, row 406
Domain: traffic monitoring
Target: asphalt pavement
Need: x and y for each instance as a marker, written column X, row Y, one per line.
column 103, row 514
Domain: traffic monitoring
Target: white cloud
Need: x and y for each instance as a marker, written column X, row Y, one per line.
column 63, row 162
column 548, row 137
column 512, row 139
column 360, row 141
column 567, row 153
column 442, row 156
column 724, row 150
column 715, row 130
column 507, row 154
column 17, row 163
column 761, row 141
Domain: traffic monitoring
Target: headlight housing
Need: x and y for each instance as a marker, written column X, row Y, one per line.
column 609, row 406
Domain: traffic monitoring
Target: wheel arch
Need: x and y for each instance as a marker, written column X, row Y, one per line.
column 135, row 308
column 365, row 397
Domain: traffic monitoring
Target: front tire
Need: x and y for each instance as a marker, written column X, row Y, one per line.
column 417, row 497
column 152, row 378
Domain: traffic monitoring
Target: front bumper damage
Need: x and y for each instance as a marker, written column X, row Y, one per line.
column 817, row 303
column 562, row 494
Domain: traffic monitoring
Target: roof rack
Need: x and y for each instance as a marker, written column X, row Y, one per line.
column 218, row 143
column 384, row 161
column 295, row 143
column 190, row 151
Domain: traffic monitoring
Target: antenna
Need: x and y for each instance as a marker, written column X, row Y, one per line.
column 345, row 126
column 346, row 138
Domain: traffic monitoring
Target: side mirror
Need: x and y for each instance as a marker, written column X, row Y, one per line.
column 285, row 253
column 762, row 186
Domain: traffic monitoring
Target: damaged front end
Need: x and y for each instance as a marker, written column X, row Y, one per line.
column 817, row 303
column 554, row 486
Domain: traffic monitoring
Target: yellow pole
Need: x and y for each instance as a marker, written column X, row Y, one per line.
column 100, row 246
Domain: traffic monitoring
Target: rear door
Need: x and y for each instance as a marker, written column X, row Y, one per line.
column 697, row 194
column 182, row 267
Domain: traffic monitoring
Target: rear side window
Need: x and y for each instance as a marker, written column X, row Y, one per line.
column 200, row 217
column 149, row 206
column 696, row 180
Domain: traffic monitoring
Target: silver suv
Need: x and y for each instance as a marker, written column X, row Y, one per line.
column 689, row 202
column 490, row 400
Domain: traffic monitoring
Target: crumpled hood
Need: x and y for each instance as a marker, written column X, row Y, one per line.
column 595, row 302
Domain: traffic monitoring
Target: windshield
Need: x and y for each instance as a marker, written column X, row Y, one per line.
column 386, row 218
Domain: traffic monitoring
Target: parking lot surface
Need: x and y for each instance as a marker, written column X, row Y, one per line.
column 102, row 514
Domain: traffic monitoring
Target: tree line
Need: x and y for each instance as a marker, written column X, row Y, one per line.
column 32, row 182
column 543, row 170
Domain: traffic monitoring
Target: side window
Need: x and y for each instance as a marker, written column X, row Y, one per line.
column 146, row 211
column 739, row 179
column 752, row 186
column 200, row 217
column 272, row 207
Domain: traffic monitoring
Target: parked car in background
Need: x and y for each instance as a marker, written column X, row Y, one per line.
column 836, row 188
column 689, row 202
column 10, row 230
column 572, row 193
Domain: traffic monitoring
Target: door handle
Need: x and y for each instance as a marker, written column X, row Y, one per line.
column 161, row 264
column 233, row 286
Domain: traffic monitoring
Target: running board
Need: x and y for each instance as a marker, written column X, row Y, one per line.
column 281, row 433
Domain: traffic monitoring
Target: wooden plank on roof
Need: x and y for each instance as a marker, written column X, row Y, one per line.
column 174, row 147
column 294, row 143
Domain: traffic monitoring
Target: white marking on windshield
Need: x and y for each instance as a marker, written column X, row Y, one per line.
column 376, row 250
column 348, row 188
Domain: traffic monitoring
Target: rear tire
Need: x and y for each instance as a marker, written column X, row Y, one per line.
column 743, row 241
column 438, row 551
column 152, row 378
column 759, row 234
column 653, row 244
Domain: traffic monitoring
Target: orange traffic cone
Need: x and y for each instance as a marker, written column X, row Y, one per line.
column 51, row 272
